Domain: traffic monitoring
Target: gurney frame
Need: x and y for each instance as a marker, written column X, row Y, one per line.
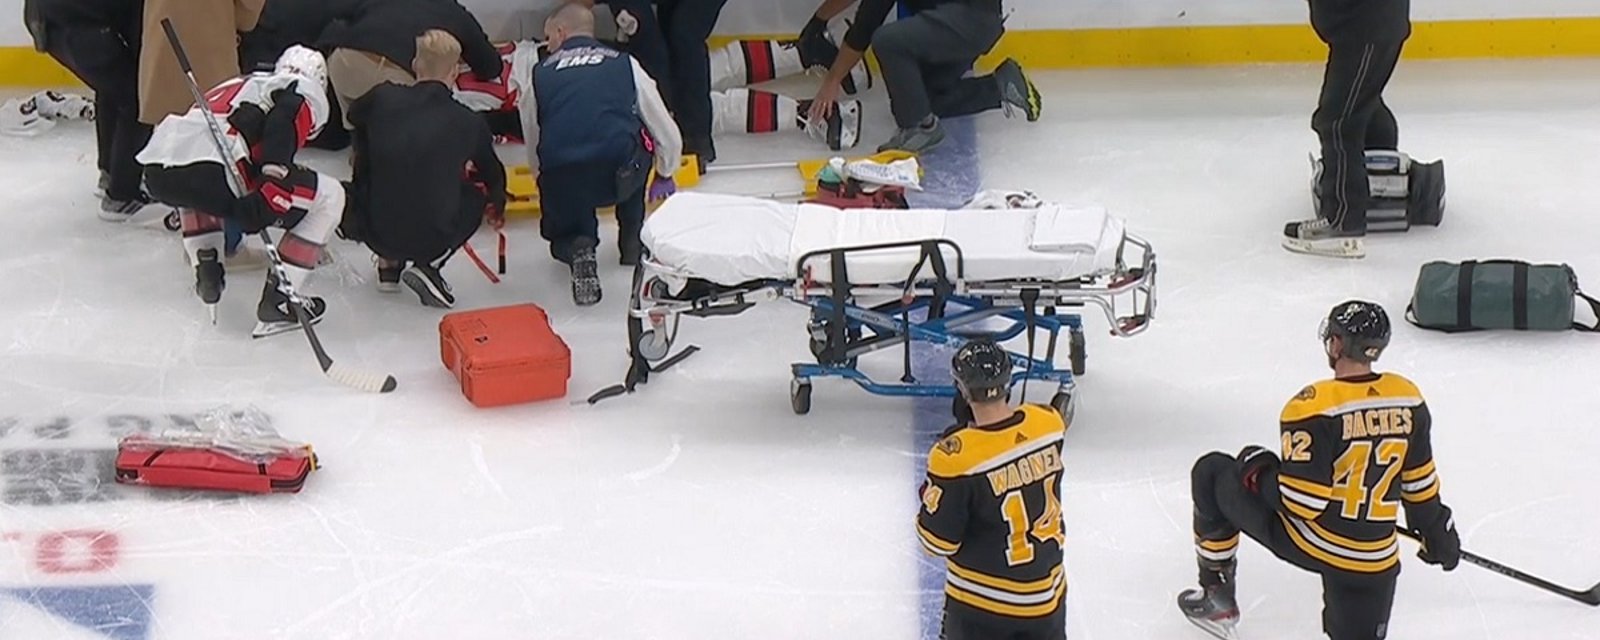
column 943, row 308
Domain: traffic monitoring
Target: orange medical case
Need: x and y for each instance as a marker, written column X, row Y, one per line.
column 505, row 355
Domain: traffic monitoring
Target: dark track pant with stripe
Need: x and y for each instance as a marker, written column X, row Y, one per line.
column 107, row 60
column 1354, row 606
column 1351, row 117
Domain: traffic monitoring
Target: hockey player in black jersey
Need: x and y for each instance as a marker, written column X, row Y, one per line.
column 1356, row 450
column 991, row 508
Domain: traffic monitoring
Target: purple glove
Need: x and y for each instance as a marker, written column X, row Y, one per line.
column 660, row 188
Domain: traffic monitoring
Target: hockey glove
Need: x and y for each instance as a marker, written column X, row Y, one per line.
column 661, row 188
column 1254, row 462
column 282, row 133
column 1441, row 545
column 250, row 121
column 284, row 196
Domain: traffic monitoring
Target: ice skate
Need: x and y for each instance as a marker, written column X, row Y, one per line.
column 1017, row 91
column 841, row 130
column 209, row 280
column 1317, row 237
column 429, row 285
column 585, row 274
column 1213, row 609
column 275, row 315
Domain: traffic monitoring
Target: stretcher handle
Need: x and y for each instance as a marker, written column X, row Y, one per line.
column 931, row 243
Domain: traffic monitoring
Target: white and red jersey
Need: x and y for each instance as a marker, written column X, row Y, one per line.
column 186, row 139
column 499, row 94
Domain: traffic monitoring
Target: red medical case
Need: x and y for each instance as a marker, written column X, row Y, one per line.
column 505, row 355
column 161, row 465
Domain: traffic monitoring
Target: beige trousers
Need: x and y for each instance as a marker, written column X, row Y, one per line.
column 354, row 73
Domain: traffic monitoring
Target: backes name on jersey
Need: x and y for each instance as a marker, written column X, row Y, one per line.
column 1025, row 471
column 1372, row 423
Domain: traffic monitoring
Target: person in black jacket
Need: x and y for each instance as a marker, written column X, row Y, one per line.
column 426, row 174
column 99, row 42
column 923, row 60
column 378, row 43
column 1364, row 39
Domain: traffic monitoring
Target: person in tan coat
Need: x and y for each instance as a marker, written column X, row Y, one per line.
column 209, row 30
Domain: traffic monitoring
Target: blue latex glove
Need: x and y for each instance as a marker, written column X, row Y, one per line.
column 661, row 188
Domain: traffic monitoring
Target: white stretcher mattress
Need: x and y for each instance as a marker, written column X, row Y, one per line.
column 730, row 240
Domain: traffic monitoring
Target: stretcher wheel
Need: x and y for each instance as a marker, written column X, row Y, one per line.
column 1077, row 357
column 651, row 347
column 800, row 397
column 172, row 221
column 1063, row 404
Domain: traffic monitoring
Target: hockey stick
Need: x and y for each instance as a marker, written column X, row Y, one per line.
column 363, row 380
column 1590, row 597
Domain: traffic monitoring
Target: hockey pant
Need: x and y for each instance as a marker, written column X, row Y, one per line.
column 743, row 63
column 962, row 622
column 205, row 200
column 1351, row 117
column 1355, row 606
column 754, row 111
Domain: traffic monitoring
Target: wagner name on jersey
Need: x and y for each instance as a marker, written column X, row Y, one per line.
column 1354, row 451
column 990, row 507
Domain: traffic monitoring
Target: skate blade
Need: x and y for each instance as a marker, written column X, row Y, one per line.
column 269, row 329
column 1348, row 248
column 212, row 310
column 1224, row 629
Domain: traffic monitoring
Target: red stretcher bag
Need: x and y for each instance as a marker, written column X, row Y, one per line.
column 160, row 465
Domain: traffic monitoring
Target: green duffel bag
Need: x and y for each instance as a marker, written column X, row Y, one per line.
column 1497, row 294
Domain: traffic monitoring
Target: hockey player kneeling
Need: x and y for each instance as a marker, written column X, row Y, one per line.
column 1356, row 449
column 269, row 117
column 990, row 507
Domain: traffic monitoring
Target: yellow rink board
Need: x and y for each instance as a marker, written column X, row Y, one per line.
column 21, row 66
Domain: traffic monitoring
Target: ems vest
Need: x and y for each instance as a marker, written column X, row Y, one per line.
column 587, row 105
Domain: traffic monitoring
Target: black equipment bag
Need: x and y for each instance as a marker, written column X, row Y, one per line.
column 1497, row 294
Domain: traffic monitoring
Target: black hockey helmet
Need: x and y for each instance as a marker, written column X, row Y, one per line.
column 982, row 370
column 1362, row 326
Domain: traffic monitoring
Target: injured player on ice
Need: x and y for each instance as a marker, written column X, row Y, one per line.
column 269, row 117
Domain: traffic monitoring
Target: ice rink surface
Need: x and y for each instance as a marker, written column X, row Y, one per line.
column 701, row 507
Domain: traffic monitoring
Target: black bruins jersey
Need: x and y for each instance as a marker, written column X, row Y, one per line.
column 991, row 508
column 1354, row 451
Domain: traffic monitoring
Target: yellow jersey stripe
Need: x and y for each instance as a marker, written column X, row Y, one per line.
column 1350, row 543
column 1016, row 611
column 1337, row 561
column 945, row 546
column 1219, row 545
column 1413, row 475
column 1301, row 510
column 1305, row 486
column 1005, row 584
column 1423, row 496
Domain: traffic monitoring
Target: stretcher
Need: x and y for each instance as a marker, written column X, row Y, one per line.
column 878, row 279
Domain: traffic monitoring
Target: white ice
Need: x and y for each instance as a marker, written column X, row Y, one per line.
column 701, row 507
